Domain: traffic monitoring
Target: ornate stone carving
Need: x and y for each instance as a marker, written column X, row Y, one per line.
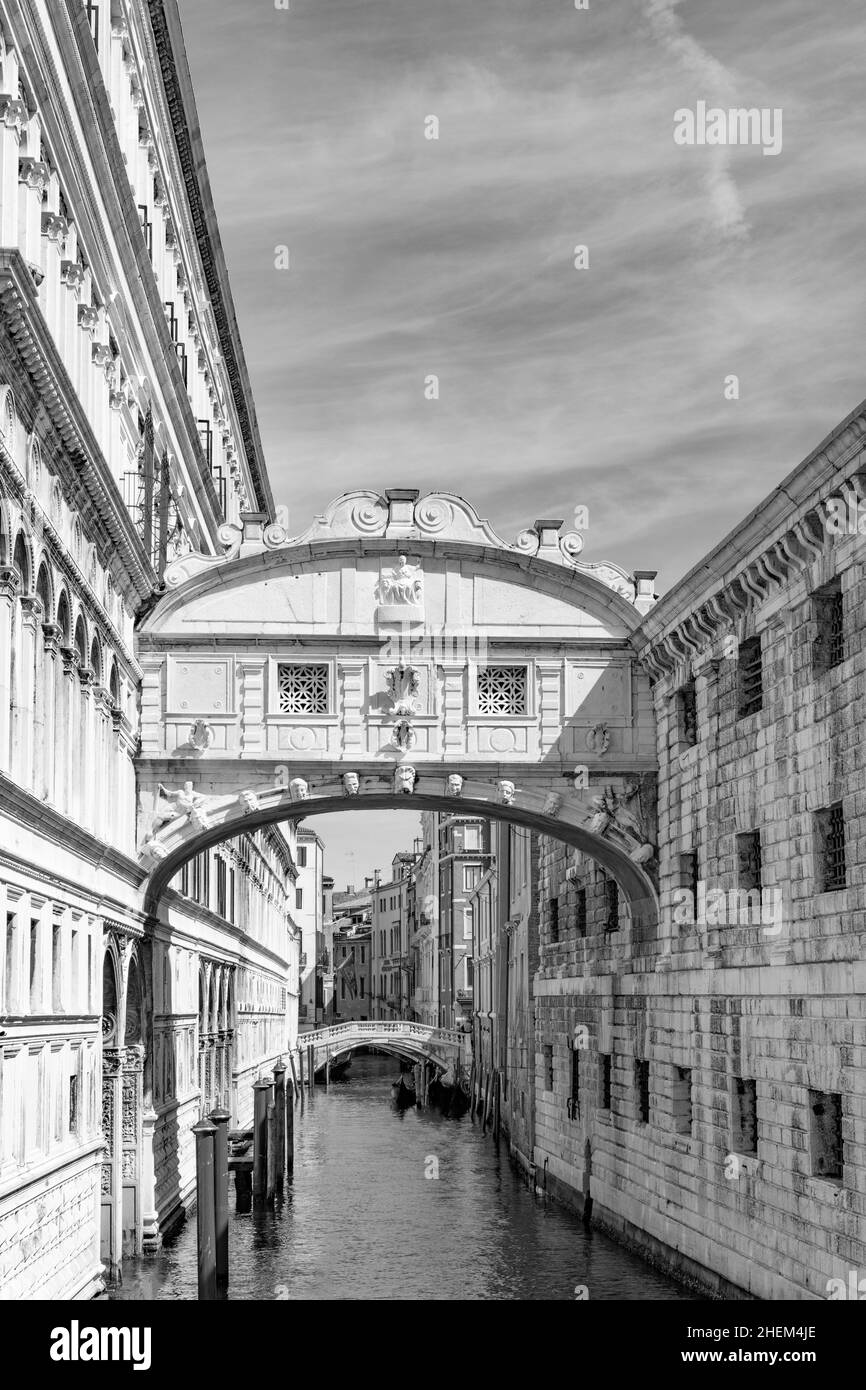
column 404, row 736
column 455, row 784
column 552, row 804
column 351, row 783
column 598, row 739
column 185, row 802
column 402, row 685
column 404, row 778
column 153, row 851
column 13, row 113
column 33, row 172
column 619, row 818
column 401, row 594
column 505, row 792
column 201, row 735
column 299, row 789
column 248, row 802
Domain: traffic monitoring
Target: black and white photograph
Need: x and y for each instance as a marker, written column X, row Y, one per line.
column 432, row 671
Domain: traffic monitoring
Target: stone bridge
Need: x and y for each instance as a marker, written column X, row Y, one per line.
column 445, row 1047
column 398, row 652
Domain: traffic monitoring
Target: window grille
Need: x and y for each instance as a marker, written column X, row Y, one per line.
column 749, row 868
column 554, row 919
column 826, row 1134
column 745, row 1115
column 682, row 1098
column 604, row 1098
column 580, row 913
column 302, row 689
column 502, row 690
column 547, row 1051
column 831, row 830
column 687, row 702
column 611, row 896
column 829, row 613
column 642, row 1080
column 750, row 690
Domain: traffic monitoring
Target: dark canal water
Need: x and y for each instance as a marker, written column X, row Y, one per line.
column 362, row 1221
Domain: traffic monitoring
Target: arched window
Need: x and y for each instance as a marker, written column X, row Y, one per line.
column 8, row 419
column 96, row 660
column 134, row 1007
column 81, row 641
column 43, row 591
column 21, row 561
column 109, row 1002
column 64, row 619
column 114, row 686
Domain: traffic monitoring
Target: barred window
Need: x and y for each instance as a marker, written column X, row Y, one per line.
column 745, row 1137
column 687, row 713
column 605, row 1086
column 642, row 1085
column 750, row 689
column 302, row 689
column 502, row 690
column 831, row 839
column 826, row 1134
column 828, row 649
column 749, row 867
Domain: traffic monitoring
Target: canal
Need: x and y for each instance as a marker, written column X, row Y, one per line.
column 365, row 1218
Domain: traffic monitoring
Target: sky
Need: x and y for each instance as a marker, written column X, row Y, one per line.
column 409, row 257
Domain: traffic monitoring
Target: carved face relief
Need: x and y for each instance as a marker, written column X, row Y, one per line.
column 506, row 792
column 351, row 783
column 248, row 802
column 455, row 784
column 299, row 789
column 404, row 779
column 552, row 804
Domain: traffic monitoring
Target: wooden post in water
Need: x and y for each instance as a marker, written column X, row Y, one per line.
column 280, row 1107
column 220, row 1118
column 419, row 1094
column 204, row 1133
column 486, row 1103
column 294, row 1074
column 290, row 1130
column 311, row 1063
column 261, row 1096
column 272, row 1153
column 327, row 1068
column 301, row 1068
column 472, row 1089
column 497, row 1101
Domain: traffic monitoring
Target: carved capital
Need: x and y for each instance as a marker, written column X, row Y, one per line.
column 72, row 274
column 52, row 633
column 13, row 113
column 88, row 318
column 100, row 355
column 31, row 609
column 116, row 400
column 33, row 173
column 54, row 227
column 10, row 582
column 86, row 675
column 70, row 660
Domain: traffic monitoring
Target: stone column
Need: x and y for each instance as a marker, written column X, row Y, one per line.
column 68, row 740
column 84, row 808
column 10, row 583
column 33, row 177
column 23, row 715
column 13, row 119
column 549, row 712
column 350, row 675
column 453, row 707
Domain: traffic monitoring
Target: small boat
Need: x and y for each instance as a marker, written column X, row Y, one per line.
column 337, row 1071
column 401, row 1094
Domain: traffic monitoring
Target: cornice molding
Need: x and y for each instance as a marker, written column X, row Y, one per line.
column 41, row 818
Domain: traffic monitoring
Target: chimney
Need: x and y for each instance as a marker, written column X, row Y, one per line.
column 350, row 887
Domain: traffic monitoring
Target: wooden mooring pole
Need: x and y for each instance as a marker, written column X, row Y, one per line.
column 220, row 1119
column 280, row 1107
column 272, row 1154
column 301, row 1082
column 261, row 1097
column 290, row 1130
column 204, row 1133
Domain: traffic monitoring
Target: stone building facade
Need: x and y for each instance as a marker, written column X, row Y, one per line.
column 127, row 436
column 706, row 1087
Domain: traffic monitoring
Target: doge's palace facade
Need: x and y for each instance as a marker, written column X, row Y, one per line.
column 127, row 439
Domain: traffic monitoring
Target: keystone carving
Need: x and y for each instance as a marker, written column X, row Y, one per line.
column 404, row 779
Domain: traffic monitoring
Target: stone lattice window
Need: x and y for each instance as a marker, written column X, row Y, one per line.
column 826, row 1134
column 502, row 690
column 611, row 904
column 554, row 919
column 580, row 912
column 302, row 689
column 547, row 1057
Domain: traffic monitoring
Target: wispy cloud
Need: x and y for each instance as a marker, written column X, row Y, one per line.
column 455, row 257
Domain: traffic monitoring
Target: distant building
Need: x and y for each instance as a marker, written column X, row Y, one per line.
column 390, row 942
column 464, row 856
column 309, row 915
